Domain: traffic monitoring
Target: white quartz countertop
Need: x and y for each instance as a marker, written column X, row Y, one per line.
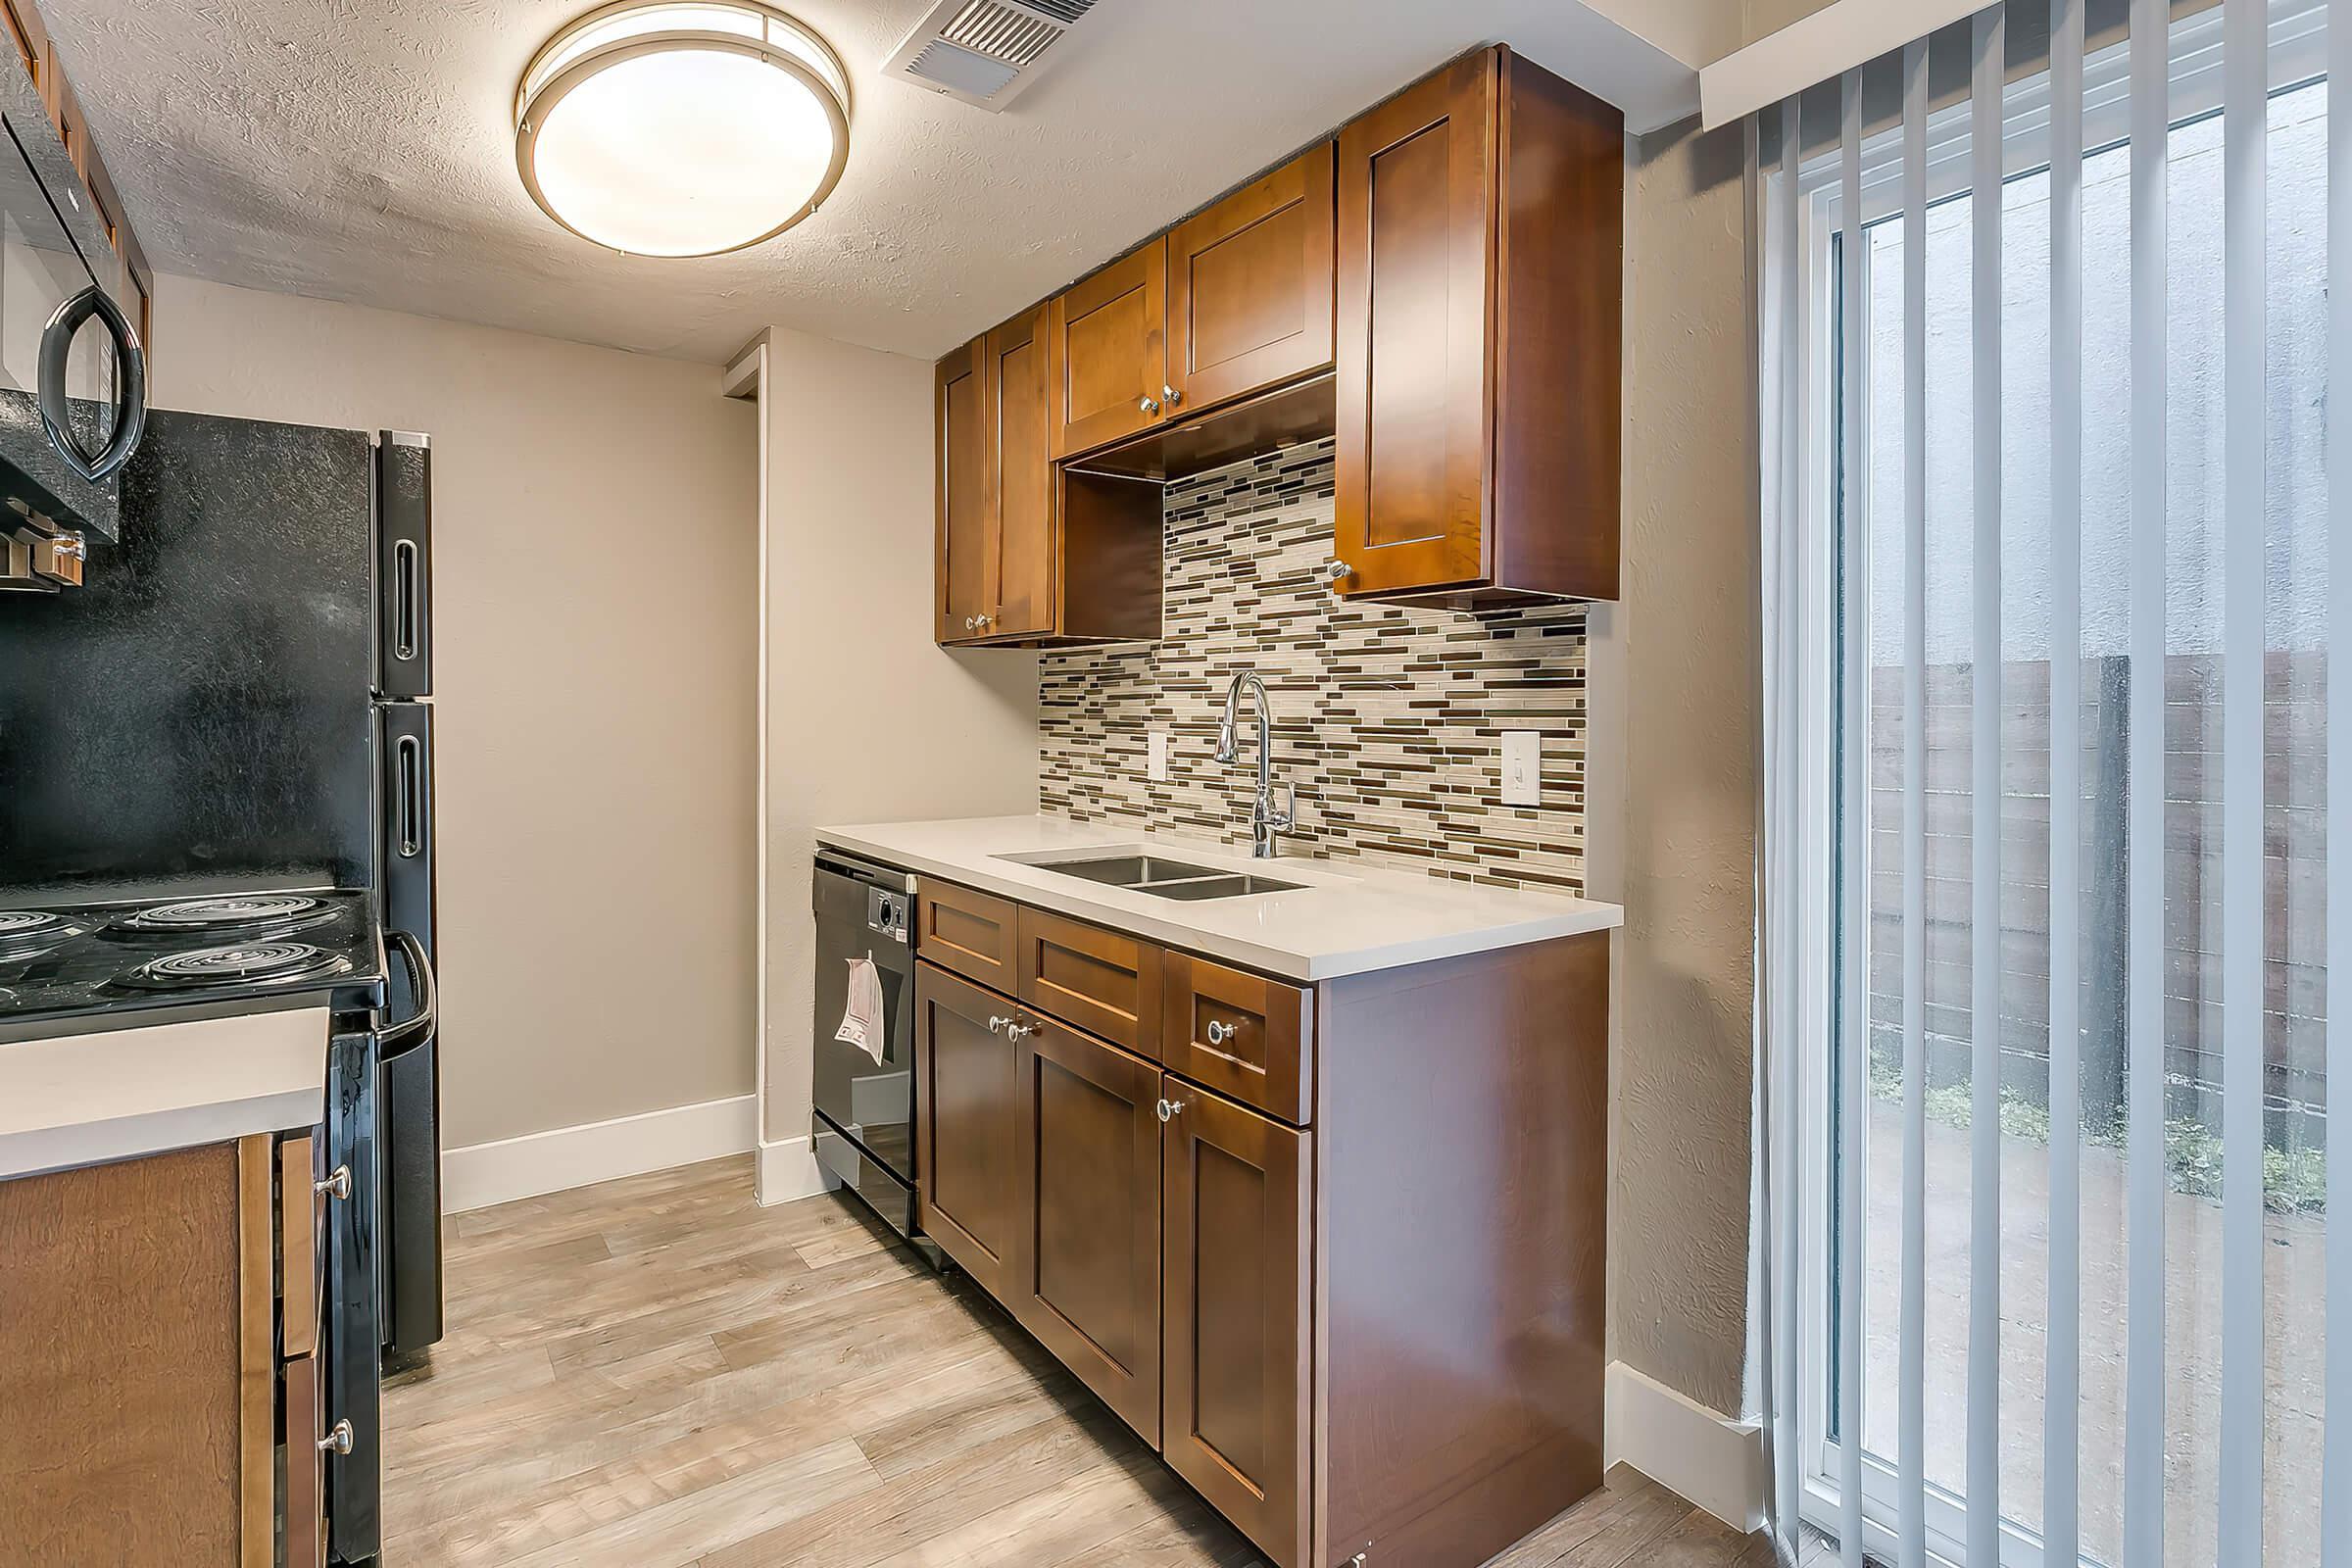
column 85, row 1099
column 1347, row 918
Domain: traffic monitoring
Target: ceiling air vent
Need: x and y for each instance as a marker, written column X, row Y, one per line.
column 985, row 52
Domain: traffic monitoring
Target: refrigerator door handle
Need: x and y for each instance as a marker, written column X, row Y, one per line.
column 406, row 599
column 404, row 1037
column 408, row 772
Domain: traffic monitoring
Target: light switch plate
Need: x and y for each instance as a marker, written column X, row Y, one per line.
column 1157, row 764
column 1522, row 768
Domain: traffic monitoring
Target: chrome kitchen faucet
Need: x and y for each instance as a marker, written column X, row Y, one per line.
column 1264, row 820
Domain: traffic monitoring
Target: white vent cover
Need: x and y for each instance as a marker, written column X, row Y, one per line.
column 985, row 52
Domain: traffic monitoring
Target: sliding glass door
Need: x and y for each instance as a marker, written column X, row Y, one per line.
column 2054, row 366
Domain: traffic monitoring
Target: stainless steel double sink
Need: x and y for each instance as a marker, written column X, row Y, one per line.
column 1160, row 877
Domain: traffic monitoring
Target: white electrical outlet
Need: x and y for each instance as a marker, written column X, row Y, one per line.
column 1157, row 766
column 1523, row 768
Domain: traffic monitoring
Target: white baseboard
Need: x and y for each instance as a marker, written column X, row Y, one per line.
column 789, row 1169
column 563, row 1157
column 1710, row 1459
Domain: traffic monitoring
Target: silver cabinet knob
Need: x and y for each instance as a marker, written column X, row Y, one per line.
column 1172, row 396
column 337, row 1186
column 1338, row 572
column 1220, row 1031
column 970, row 623
column 1147, row 402
column 337, row 1439
column 996, row 1025
column 980, row 622
column 1170, row 1109
column 1018, row 1031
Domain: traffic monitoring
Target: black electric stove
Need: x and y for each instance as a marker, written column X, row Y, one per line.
column 157, row 960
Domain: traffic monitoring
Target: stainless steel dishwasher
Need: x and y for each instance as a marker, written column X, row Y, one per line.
column 864, row 1126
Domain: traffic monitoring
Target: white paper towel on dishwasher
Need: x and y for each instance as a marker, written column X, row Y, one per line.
column 861, row 1015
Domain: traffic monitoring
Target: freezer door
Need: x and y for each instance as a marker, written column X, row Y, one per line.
column 411, row 1103
column 404, row 564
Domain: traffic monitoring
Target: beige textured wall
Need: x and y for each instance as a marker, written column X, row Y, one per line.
column 1761, row 18
column 1674, row 722
column 868, row 719
column 595, row 711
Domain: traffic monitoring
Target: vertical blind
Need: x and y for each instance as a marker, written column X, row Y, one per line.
column 2051, row 304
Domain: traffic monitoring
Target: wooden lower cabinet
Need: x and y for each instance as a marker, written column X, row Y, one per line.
column 1237, row 1313
column 144, row 1305
column 1088, row 1284
column 966, row 1123
column 1360, row 1315
column 303, row 1531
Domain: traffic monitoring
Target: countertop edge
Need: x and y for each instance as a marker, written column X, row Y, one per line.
column 88, row 1098
column 1586, row 917
column 158, row 1132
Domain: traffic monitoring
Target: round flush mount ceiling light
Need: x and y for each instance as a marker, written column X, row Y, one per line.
column 668, row 128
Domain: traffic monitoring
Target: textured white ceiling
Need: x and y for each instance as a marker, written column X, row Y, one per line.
column 363, row 150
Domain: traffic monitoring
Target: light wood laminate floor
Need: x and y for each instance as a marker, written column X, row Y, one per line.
column 655, row 1373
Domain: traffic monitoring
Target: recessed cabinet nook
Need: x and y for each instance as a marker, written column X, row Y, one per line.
column 1438, row 286
column 1319, row 1245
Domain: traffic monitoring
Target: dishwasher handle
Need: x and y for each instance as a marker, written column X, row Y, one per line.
column 870, row 872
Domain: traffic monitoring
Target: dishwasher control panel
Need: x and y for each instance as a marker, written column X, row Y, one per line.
column 886, row 913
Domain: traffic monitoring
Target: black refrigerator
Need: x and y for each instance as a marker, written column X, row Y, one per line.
column 240, row 698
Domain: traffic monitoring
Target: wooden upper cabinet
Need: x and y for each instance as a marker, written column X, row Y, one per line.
column 1021, row 500
column 1030, row 554
column 1110, row 361
column 1481, row 234
column 967, row 588
column 1249, row 288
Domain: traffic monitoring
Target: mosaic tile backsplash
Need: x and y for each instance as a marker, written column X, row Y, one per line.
column 1388, row 720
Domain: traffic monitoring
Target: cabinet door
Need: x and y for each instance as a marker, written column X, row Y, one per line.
column 967, row 588
column 305, row 1510
column 135, row 1334
column 300, row 1214
column 966, row 1123
column 1237, row 1316
column 1021, row 519
column 1250, row 286
column 1109, row 351
column 1089, row 1280
column 1415, row 301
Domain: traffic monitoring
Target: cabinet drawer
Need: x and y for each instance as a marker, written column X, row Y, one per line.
column 1102, row 982
column 1239, row 1034
column 968, row 932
